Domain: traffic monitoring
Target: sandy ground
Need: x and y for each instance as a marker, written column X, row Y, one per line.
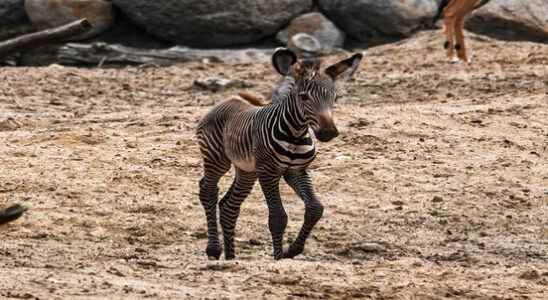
column 437, row 187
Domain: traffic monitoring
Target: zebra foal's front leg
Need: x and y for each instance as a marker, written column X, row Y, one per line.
column 230, row 207
column 300, row 181
column 277, row 218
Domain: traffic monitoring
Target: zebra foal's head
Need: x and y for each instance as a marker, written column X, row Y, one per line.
column 315, row 88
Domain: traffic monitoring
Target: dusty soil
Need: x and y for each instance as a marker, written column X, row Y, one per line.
column 437, row 187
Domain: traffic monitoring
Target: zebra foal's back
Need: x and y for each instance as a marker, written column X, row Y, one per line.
column 226, row 133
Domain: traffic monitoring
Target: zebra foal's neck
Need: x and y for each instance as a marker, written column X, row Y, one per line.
column 290, row 121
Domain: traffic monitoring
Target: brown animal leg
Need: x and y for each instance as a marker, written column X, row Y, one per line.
column 449, row 22
column 460, row 46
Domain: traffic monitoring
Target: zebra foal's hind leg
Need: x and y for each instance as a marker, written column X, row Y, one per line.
column 230, row 207
column 302, row 185
column 209, row 193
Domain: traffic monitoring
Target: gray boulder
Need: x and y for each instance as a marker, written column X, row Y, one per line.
column 318, row 27
column 212, row 23
column 305, row 43
column 512, row 19
column 52, row 13
column 12, row 12
column 375, row 20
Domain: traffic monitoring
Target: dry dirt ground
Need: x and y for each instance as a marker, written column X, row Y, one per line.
column 437, row 187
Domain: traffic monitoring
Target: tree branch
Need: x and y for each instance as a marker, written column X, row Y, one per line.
column 44, row 37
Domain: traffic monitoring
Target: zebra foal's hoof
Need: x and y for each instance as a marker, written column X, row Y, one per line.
column 213, row 253
column 288, row 255
column 213, row 257
column 293, row 251
column 278, row 256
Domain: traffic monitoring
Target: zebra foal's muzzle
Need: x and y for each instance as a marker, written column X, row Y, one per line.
column 326, row 130
column 326, row 135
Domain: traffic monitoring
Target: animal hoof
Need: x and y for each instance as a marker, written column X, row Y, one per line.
column 292, row 252
column 455, row 60
column 213, row 253
column 289, row 255
column 230, row 256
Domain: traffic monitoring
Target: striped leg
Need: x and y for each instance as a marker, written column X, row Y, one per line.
column 209, row 193
column 300, row 182
column 277, row 218
column 230, row 207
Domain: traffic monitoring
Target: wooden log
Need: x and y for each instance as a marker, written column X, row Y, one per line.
column 103, row 53
column 40, row 38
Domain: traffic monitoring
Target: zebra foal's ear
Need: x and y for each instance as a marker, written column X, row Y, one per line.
column 282, row 60
column 345, row 68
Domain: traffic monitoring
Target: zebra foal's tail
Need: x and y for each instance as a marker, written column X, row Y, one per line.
column 252, row 99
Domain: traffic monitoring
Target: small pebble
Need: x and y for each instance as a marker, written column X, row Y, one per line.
column 530, row 275
column 370, row 247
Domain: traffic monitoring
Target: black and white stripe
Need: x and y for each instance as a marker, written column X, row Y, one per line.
column 267, row 144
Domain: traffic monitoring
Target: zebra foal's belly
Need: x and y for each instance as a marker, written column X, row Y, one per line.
column 246, row 164
column 292, row 156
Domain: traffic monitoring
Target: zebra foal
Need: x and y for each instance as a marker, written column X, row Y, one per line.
column 268, row 143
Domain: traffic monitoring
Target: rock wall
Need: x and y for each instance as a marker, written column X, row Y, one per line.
column 213, row 23
column 12, row 12
column 370, row 21
column 320, row 26
column 512, row 19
